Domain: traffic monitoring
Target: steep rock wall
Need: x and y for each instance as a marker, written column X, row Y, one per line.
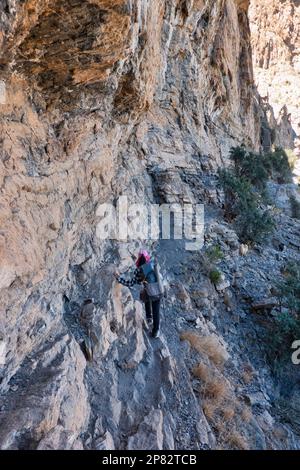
column 275, row 38
column 141, row 98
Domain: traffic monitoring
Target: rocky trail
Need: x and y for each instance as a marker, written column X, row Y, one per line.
column 144, row 389
column 160, row 380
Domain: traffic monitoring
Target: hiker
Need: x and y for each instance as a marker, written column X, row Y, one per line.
column 147, row 273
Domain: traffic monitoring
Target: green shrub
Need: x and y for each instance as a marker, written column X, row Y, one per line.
column 295, row 207
column 286, row 329
column 242, row 204
column 257, row 168
column 210, row 257
column 289, row 326
column 278, row 165
column 245, row 190
column 289, row 289
column 215, row 276
column 239, row 193
column 286, row 326
column 250, row 165
column 214, row 253
column 254, row 225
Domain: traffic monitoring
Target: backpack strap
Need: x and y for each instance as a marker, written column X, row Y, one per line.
column 148, row 270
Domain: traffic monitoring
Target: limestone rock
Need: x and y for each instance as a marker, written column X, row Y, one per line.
column 265, row 304
column 150, row 433
column 59, row 439
column 105, row 442
column 54, row 394
column 222, row 284
column 275, row 36
column 144, row 99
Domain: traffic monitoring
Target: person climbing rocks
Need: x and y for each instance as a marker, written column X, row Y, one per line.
column 147, row 274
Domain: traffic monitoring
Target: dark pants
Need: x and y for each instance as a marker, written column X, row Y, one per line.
column 152, row 311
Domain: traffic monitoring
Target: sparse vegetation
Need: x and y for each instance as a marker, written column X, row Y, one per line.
column 215, row 276
column 250, row 167
column 210, row 259
column 207, row 345
column 258, row 168
column 239, row 193
column 209, row 409
column 222, row 409
column 243, row 205
column 228, row 416
column 246, row 414
column 228, row 412
column 286, row 328
column 214, row 253
column 201, row 371
column 247, row 374
column 279, row 165
column 289, row 288
column 214, row 389
column 237, row 441
column 254, row 225
column 245, row 190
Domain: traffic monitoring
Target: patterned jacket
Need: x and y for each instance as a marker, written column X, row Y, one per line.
column 137, row 278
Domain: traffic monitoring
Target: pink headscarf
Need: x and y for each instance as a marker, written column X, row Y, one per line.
column 146, row 256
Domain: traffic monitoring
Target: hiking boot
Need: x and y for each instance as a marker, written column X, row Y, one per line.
column 149, row 321
column 155, row 334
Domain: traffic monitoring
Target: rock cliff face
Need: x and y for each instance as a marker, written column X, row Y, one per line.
column 142, row 98
column 275, row 31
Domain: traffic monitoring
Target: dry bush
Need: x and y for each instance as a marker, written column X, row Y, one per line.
column 219, row 403
column 221, row 429
column 202, row 372
column 206, row 345
column 248, row 373
column 236, row 441
column 246, row 415
column 214, row 389
column 228, row 412
column 222, row 408
column 247, row 377
column 227, row 436
column 209, row 409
